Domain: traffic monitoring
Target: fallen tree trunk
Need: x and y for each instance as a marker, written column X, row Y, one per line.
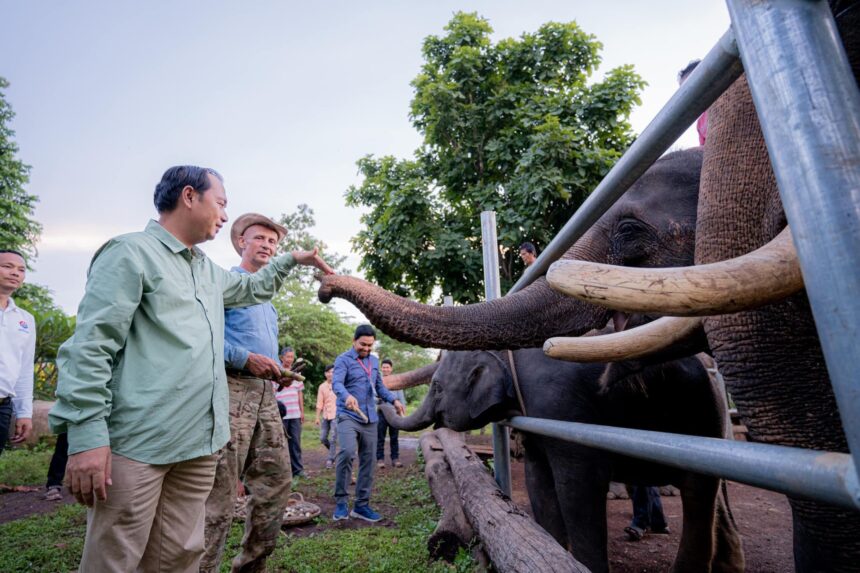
column 453, row 530
column 514, row 542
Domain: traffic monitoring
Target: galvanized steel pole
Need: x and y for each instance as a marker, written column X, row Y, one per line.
column 712, row 76
column 821, row 476
column 492, row 290
column 809, row 108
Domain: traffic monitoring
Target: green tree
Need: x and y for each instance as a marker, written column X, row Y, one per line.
column 299, row 237
column 316, row 331
column 18, row 230
column 516, row 127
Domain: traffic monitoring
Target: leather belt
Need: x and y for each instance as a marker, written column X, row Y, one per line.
column 241, row 374
column 5, row 400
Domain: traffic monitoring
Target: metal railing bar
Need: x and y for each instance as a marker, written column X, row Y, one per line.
column 822, row 476
column 712, row 76
column 808, row 104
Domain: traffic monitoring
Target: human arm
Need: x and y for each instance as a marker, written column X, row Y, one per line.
column 244, row 289
column 23, row 400
column 386, row 395
column 338, row 382
column 301, row 395
column 85, row 365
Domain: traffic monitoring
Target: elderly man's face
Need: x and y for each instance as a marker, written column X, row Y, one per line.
column 527, row 257
column 13, row 270
column 287, row 359
column 258, row 244
column 386, row 369
column 363, row 345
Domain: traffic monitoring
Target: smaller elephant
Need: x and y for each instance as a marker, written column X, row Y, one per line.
column 567, row 482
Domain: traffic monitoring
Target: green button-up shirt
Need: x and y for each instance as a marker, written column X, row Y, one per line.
column 144, row 371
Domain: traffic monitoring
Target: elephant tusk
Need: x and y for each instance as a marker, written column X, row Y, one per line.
column 768, row 274
column 626, row 345
column 412, row 378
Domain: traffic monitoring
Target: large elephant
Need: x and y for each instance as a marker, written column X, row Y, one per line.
column 567, row 483
column 653, row 225
column 770, row 357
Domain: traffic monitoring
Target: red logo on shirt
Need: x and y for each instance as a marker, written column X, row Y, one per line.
column 23, row 324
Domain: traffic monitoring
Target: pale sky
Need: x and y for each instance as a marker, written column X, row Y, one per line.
column 280, row 97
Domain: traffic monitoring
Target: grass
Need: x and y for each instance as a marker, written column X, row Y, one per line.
column 53, row 542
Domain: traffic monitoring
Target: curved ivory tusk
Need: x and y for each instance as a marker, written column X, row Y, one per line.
column 625, row 345
column 766, row 275
column 412, row 378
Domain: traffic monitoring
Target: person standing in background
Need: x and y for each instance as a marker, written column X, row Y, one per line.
column 387, row 367
column 292, row 399
column 326, row 417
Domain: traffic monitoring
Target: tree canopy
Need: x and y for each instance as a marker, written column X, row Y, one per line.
column 515, row 127
column 19, row 230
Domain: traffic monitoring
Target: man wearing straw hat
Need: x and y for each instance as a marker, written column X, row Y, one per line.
column 257, row 448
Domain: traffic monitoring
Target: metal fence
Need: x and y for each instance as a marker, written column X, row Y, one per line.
column 809, row 108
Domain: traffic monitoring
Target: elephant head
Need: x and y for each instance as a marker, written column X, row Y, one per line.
column 653, row 225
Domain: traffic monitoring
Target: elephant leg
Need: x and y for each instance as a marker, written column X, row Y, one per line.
column 544, row 501
column 581, row 483
column 825, row 538
column 696, row 548
column 729, row 553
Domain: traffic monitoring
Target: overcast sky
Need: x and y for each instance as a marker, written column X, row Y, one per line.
column 281, row 97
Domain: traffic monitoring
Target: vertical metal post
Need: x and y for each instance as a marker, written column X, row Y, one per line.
column 492, row 290
column 809, row 108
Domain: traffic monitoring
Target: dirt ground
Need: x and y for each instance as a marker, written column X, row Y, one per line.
column 764, row 519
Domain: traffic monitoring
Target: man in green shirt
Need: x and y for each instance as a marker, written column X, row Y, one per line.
column 142, row 391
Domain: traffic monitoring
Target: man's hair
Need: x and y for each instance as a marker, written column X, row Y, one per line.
column 529, row 248
column 364, row 330
column 14, row 252
column 329, row 367
column 176, row 179
column 388, row 361
column 286, row 349
column 682, row 75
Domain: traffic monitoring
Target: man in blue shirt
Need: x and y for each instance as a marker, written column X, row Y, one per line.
column 257, row 447
column 356, row 376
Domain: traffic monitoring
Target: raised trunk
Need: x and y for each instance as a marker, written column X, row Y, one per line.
column 418, row 420
column 412, row 378
column 522, row 320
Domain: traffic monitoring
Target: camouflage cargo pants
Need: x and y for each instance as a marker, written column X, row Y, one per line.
column 256, row 450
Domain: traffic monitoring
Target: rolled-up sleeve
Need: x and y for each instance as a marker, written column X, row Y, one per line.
column 245, row 289
column 85, row 362
column 235, row 356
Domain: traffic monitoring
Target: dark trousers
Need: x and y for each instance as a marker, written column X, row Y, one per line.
column 647, row 508
column 5, row 418
column 293, row 426
column 57, row 469
column 381, row 427
column 354, row 437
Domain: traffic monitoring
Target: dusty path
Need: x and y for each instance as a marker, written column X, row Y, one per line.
column 764, row 519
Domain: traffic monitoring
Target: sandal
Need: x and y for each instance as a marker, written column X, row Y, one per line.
column 54, row 493
column 634, row 533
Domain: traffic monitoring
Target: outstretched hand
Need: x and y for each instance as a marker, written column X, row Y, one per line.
column 312, row 259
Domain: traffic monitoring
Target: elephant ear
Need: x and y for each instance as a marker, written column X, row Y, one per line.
column 489, row 386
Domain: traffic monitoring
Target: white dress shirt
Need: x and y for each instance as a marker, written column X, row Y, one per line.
column 17, row 351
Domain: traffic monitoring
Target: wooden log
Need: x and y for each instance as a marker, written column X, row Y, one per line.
column 453, row 530
column 514, row 542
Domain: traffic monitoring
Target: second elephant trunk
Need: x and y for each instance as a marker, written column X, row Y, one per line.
column 419, row 419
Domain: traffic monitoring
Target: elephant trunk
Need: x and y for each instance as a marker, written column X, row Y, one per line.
column 521, row 320
column 419, row 419
column 412, row 378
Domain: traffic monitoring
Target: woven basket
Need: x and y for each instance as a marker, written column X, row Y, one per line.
column 299, row 511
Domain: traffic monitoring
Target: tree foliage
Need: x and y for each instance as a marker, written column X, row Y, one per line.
column 18, row 230
column 513, row 127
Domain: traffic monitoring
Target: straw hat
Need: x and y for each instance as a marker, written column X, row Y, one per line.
column 241, row 225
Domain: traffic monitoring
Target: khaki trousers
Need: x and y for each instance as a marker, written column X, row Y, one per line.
column 258, row 454
column 152, row 520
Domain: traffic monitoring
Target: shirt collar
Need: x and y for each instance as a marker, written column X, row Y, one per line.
column 155, row 229
column 10, row 307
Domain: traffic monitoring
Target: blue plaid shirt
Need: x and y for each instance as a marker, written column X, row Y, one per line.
column 351, row 379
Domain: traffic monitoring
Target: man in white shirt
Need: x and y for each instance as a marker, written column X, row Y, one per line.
column 17, row 349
